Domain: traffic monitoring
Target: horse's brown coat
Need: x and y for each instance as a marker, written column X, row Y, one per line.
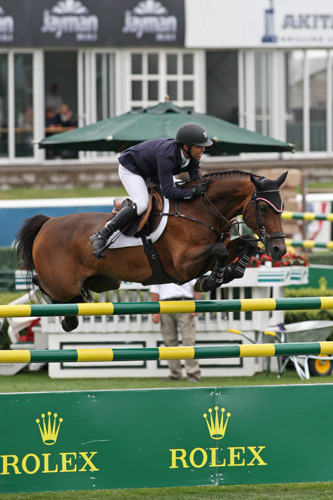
column 62, row 253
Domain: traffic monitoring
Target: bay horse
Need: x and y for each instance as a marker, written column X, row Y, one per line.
column 197, row 239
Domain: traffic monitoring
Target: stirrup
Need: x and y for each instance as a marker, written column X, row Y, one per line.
column 100, row 254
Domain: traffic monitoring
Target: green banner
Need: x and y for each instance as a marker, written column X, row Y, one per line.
column 171, row 437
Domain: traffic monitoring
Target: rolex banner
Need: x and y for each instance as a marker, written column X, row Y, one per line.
column 171, row 437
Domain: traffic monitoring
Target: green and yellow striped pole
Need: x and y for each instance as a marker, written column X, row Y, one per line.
column 184, row 306
column 309, row 244
column 308, row 216
column 166, row 353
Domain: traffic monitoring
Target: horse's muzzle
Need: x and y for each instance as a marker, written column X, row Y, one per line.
column 276, row 247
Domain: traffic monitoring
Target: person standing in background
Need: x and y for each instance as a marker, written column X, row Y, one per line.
column 180, row 323
column 53, row 98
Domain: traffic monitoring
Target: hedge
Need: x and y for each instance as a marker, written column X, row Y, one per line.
column 8, row 258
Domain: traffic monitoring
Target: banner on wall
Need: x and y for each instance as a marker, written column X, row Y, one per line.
column 289, row 23
column 168, row 437
column 72, row 23
column 259, row 23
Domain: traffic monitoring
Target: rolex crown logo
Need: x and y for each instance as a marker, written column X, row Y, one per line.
column 216, row 426
column 49, row 428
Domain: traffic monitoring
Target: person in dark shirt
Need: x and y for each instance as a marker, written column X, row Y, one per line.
column 158, row 160
column 65, row 117
column 51, row 119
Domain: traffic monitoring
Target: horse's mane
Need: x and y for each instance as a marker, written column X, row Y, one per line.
column 234, row 173
column 226, row 173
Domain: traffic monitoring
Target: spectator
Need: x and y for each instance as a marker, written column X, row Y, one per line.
column 51, row 119
column 180, row 323
column 65, row 117
column 52, row 126
column 53, row 98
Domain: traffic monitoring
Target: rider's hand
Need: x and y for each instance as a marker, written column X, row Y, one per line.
column 200, row 189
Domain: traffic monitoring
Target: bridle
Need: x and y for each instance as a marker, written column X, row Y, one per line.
column 263, row 237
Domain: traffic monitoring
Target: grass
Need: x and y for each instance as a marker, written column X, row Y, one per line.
column 26, row 381
column 305, row 491
column 30, row 193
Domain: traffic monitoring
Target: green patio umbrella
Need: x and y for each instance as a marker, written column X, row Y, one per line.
column 162, row 120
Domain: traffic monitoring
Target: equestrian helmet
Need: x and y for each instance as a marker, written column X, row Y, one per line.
column 193, row 134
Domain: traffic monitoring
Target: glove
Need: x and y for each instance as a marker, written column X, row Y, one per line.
column 200, row 189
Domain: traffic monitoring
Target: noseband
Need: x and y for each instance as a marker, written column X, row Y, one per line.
column 263, row 237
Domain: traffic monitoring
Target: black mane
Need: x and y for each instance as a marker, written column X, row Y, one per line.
column 226, row 173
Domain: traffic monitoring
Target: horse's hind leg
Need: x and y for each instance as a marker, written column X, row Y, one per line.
column 69, row 323
column 97, row 283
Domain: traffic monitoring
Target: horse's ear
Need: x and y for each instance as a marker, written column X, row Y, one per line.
column 254, row 180
column 282, row 178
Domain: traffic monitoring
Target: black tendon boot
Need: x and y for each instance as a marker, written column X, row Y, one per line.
column 99, row 239
column 237, row 270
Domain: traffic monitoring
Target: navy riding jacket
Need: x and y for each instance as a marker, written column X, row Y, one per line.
column 160, row 160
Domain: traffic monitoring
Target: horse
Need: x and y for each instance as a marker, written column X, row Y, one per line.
column 196, row 240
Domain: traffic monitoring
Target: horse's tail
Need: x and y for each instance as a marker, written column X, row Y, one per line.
column 25, row 239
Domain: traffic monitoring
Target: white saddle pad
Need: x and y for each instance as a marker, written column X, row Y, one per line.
column 123, row 241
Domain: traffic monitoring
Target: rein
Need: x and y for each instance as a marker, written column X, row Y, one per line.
column 178, row 214
column 221, row 236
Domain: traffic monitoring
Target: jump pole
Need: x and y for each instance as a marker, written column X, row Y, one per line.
column 182, row 306
column 306, row 216
column 165, row 353
column 309, row 244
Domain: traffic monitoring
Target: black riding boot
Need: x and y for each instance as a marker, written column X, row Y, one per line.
column 99, row 239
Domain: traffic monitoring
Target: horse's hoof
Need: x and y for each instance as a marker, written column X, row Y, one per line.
column 201, row 285
column 69, row 323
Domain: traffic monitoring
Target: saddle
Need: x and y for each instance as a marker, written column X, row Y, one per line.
column 149, row 220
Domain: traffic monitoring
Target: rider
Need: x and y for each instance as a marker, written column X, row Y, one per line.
column 158, row 160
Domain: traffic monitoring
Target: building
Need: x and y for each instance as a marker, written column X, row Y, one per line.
column 264, row 65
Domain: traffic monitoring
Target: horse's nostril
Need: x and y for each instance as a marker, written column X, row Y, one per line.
column 278, row 252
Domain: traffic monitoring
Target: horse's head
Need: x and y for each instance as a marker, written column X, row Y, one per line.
column 263, row 214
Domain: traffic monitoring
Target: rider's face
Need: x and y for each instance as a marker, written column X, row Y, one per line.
column 196, row 151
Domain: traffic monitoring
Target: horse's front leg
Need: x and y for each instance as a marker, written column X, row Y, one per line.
column 216, row 277
column 244, row 248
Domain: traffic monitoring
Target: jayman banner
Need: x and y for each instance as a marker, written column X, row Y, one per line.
column 45, row 23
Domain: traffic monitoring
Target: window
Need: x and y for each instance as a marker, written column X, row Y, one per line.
column 23, row 105
column 294, row 70
column 317, row 74
column 263, row 85
column 16, row 105
column 155, row 74
column 292, row 95
column 105, row 86
column 3, row 105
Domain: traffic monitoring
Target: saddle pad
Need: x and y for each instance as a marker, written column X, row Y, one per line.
column 130, row 241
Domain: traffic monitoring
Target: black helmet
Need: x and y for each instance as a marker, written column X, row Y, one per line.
column 193, row 133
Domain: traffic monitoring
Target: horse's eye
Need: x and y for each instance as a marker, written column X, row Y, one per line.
column 263, row 208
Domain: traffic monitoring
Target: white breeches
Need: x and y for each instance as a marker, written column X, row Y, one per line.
column 135, row 187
